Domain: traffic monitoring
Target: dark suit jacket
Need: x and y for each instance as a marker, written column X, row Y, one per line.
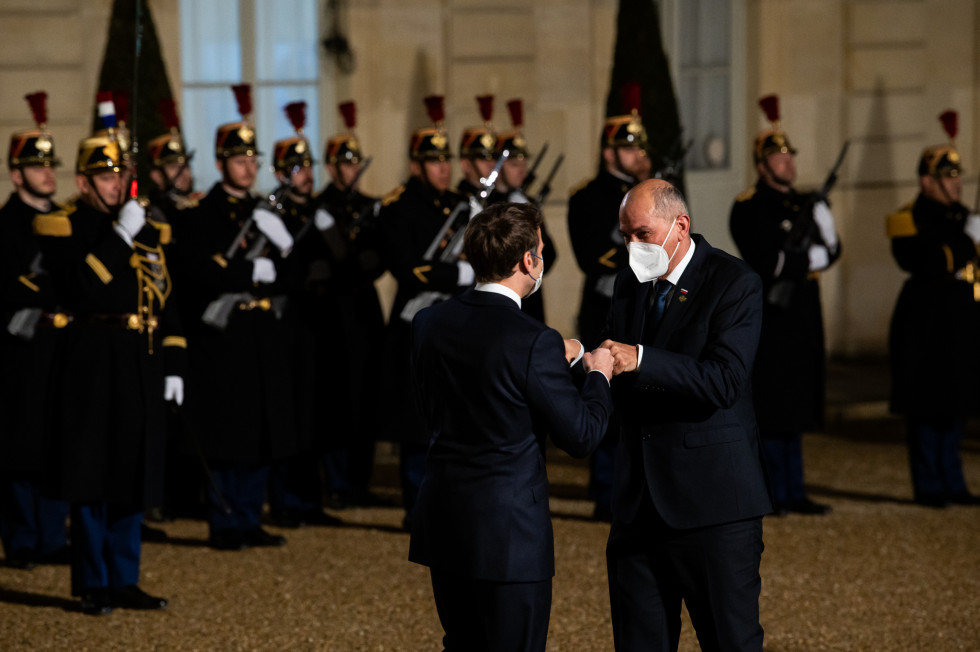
column 492, row 383
column 688, row 428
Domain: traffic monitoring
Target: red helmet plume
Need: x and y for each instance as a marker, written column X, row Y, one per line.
column 38, row 102
column 485, row 103
column 349, row 112
column 434, row 107
column 296, row 112
column 516, row 109
column 168, row 111
column 630, row 92
column 243, row 96
column 950, row 122
column 770, row 106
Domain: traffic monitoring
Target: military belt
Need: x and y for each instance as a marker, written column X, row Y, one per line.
column 127, row 321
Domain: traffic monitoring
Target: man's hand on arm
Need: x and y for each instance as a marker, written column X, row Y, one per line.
column 624, row 356
column 599, row 360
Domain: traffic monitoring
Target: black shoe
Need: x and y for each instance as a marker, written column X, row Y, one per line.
column 59, row 557
column 152, row 534
column 965, row 498
column 807, row 506
column 260, row 538
column 20, row 562
column 133, row 597
column 936, row 501
column 319, row 517
column 227, row 540
column 96, row 602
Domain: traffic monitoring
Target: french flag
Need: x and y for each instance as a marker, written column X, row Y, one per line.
column 107, row 109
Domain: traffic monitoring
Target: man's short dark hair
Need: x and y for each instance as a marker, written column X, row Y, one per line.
column 497, row 238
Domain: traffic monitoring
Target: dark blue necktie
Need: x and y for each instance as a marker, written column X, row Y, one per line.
column 657, row 306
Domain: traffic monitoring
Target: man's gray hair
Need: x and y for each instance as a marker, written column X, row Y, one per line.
column 668, row 202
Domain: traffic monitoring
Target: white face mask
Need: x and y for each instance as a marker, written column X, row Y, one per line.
column 650, row 261
column 539, row 279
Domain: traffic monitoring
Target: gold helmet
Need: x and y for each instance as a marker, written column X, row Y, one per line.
column 480, row 142
column 237, row 138
column 344, row 148
column 942, row 160
column 431, row 143
column 33, row 146
column 772, row 140
column 513, row 141
column 294, row 151
column 100, row 153
column 626, row 130
column 168, row 147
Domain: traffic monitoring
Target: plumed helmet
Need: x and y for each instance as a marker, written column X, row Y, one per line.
column 237, row 138
column 33, row 146
column 344, row 147
column 942, row 160
column 294, row 151
column 480, row 142
column 169, row 147
column 431, row 143
column 626, row 130
column 772, row 140
column 513, row 141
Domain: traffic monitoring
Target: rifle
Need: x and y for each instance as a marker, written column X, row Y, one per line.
column 545, row 189
column 218, row 312
column 487, row 183
column 804, row 231
column 530, row 178
column 673, row 164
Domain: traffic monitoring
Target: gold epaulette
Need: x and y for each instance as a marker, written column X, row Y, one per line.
column 392, row 196
column 901, row 224
column 164, row 229
column 175, row 341
column 183, row 203
column 746, row 194
column 56, row 224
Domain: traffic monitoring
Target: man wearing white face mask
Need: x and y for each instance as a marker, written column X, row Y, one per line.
column 790, row 369
column 689, row 488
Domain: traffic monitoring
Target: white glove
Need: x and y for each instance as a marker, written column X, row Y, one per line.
column 825, row 222
column 466, row 273
column 263, row 271
column 819, row 257
column 518, row 197
column 131, row 219
column 323, row 220
column 475, row 207
column 173, row 389
column 272, row 227
column 972, row 227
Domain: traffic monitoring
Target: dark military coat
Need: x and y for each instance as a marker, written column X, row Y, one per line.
column 358, row 311
column 240, row 391
column 933, row 337
column 108, row 427
column 600, row 251
column 26, row 367
column 790, row 367
column 410, row 219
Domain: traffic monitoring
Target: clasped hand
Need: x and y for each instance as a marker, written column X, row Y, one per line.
column 624, row 356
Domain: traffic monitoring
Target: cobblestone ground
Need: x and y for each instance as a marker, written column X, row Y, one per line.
column 879, row 573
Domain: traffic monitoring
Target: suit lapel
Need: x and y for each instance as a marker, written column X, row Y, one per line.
column 685, row 292
column 639, row 305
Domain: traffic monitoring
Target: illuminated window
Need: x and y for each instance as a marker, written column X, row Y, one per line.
column 271, row 44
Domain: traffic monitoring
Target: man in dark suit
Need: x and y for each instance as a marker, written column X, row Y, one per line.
column 690, row 490
column 492, row 381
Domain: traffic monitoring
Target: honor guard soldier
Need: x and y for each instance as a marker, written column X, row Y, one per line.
column 295, row 494
column 510, row 187
column 241, row 373
column 422, row 223
column 358, row 311
column 170, row 166
column 478, row 157
column 789, row 373
column 32, row 526
column 593, row 226
column 119, row 359
column 933, row 340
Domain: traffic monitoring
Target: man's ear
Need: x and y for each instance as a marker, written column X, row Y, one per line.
column 609, row 156
column 415, row 168
column 684, row 223
column 81, row 182
column 157, row 177
column 16, row 177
